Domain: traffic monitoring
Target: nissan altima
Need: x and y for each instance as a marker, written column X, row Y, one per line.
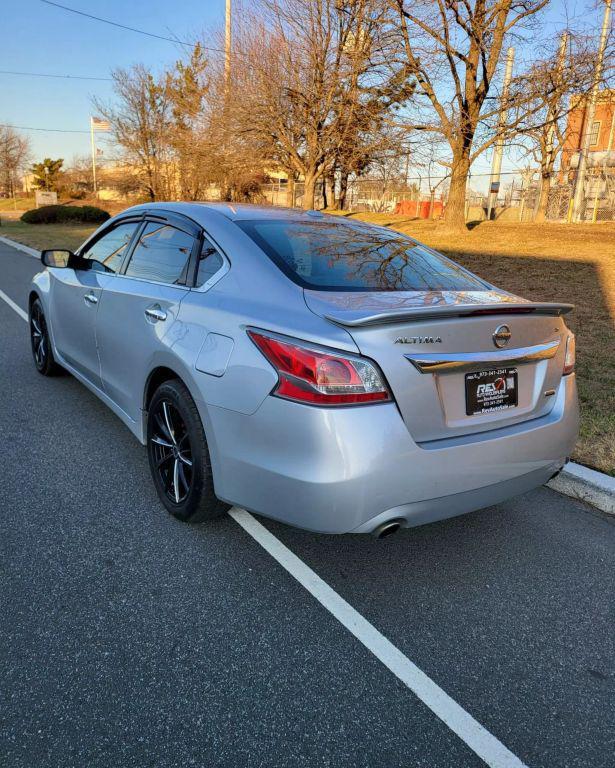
column 331, row 374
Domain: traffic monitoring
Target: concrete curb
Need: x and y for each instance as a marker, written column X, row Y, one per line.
column 585, row 484
column 574, row 480
column 20, row 247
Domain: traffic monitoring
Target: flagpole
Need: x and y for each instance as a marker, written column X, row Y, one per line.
column 93, row 156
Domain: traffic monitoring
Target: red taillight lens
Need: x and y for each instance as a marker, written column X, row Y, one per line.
column 311, row 376
column 570, row 359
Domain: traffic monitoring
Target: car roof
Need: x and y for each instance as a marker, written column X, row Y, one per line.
column 234, row 211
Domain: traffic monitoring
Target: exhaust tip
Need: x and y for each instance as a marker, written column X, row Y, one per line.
column 387, row 529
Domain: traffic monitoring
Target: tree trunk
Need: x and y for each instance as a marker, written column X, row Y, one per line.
column 309, row 192
column 329, row 187
column 341, row 202
column 545, row 187
column 290, row 190
column 455, row 213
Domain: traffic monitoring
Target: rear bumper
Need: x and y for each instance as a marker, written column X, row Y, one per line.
column 349, row 469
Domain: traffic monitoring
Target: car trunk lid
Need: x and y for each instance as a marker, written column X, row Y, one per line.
column 429, row 343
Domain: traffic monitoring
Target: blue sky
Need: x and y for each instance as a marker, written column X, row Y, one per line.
column 35, row 37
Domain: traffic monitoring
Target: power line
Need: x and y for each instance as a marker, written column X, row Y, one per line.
column 29, row 128
column 43, row 74
column 130, row 29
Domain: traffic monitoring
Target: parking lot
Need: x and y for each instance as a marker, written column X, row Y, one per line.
column 129, row 639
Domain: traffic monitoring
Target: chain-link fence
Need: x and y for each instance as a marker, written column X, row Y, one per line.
column 518, row 197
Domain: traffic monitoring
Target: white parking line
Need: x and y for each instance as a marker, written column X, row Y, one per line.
column 12, row 305
column 469, row 730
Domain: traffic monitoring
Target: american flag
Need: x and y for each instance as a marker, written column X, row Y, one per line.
column 99, row 124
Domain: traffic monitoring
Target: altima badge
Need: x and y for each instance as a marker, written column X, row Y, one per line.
column 418, row 340
column 501, row 336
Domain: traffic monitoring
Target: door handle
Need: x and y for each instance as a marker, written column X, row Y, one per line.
column 90, row 298
column 155, row 313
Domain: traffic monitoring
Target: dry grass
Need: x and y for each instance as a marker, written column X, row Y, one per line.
column 550, row 262
column 18, row 204
column 47, row 235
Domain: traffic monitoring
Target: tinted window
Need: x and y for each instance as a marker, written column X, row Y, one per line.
column 107, row 253
column 161, row 254
column 210, row 262
column 355, row 257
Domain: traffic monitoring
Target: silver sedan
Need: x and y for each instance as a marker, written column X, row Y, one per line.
column 330, row 374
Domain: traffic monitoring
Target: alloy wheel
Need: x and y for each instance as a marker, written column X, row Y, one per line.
column 38, row 333
column 171, row 451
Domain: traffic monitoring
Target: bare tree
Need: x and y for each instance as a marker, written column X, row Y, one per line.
column 453, row 48
column 14, row 157
column 313, row 87
column 141, row 119
column 79, row 176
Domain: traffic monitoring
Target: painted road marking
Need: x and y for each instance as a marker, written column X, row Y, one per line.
column 469, row 730
column 12, row 305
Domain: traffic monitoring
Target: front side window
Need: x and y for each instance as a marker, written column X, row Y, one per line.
column 332, row 256
column 210, row 261
column 161, row 254
column 107, row 253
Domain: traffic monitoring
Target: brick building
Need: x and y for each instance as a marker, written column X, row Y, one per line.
column 602, row 143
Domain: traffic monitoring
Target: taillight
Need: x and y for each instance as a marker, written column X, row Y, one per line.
column 570, row 359
column 309, row 375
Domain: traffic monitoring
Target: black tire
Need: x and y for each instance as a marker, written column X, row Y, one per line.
column 40, row 342
column 178, row 455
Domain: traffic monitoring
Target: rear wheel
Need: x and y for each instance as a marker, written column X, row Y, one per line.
column 41, row 343
column 178, row 455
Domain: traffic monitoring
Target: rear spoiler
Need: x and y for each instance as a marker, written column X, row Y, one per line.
column 452, row 310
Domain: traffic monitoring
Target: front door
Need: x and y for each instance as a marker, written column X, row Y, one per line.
column 139, row 309
column 76, row 295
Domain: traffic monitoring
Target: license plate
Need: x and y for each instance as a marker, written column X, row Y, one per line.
column 493, row 390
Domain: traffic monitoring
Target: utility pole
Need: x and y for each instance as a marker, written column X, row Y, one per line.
column 496, row 163
column 227, row 96
column 227, row 47
column 579, row 182
column 552, row 112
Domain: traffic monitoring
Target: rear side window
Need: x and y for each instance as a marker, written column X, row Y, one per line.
column 161, row 254
column 210, row 261
column 355, row 257
column 107, row 253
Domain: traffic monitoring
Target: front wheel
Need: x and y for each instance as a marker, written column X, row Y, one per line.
column 178, row 455
column 41, row 343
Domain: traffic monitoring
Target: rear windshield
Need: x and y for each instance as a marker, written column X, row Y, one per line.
column 335, row 256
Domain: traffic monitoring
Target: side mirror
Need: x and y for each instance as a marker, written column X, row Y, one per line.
column 57, row 257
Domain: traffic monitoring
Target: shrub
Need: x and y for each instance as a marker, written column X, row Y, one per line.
column 58, row 214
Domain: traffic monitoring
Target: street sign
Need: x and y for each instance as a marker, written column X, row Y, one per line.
column 42, row 197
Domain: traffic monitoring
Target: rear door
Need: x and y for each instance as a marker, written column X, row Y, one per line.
column 76, row 296
column 140, row 306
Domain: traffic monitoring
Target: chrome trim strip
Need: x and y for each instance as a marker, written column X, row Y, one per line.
column 473, row 361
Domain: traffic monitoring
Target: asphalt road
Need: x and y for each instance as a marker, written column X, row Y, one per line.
column 129, row 639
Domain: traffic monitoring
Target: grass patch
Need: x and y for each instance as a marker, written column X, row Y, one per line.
column 19, row 204
column 42, row 236
column 549, row 262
